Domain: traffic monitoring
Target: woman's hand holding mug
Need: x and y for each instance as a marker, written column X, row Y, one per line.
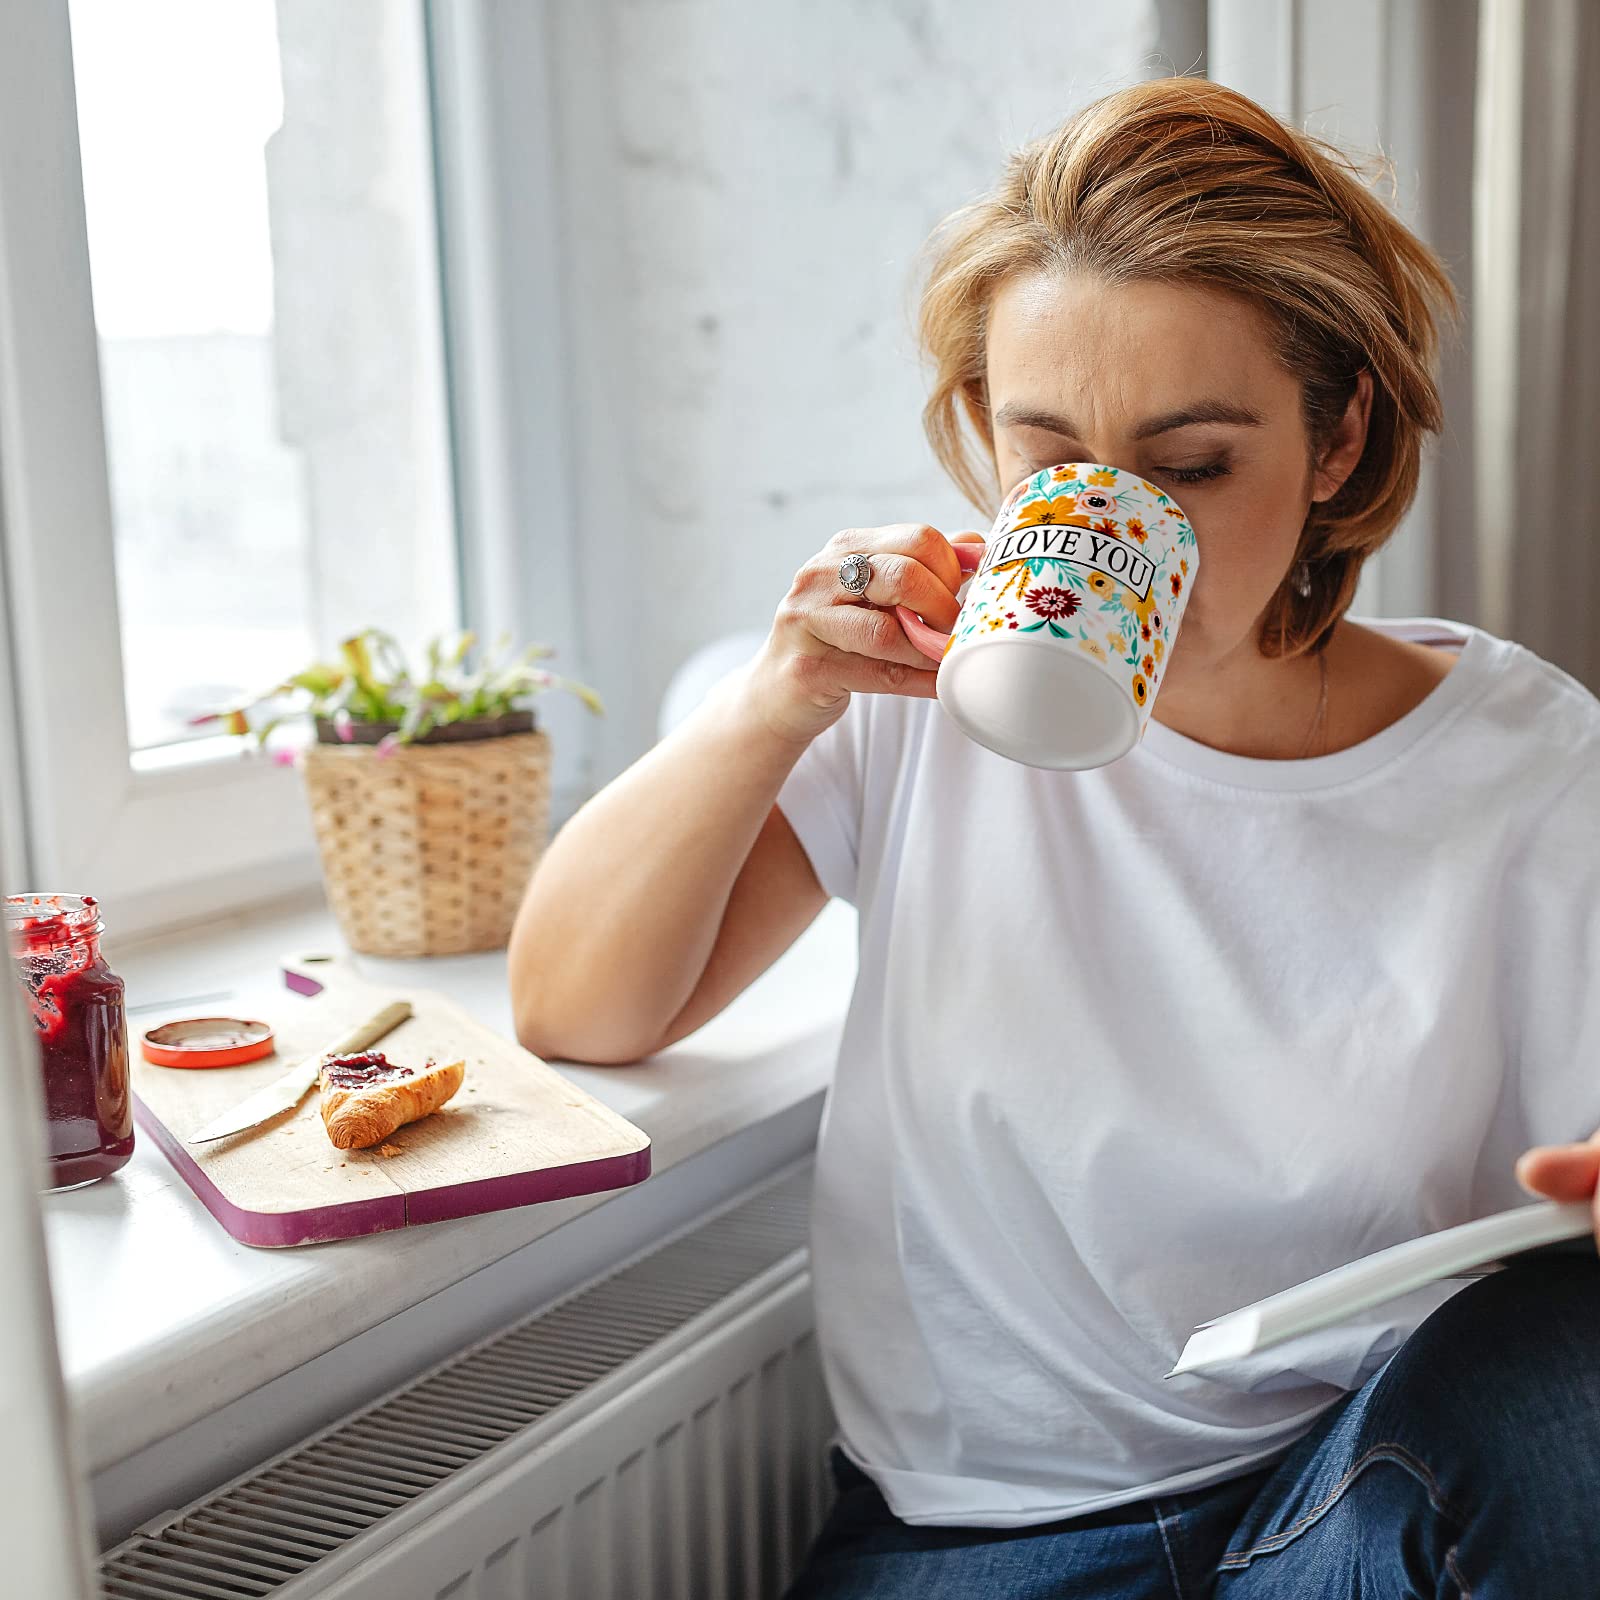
column 828, row 642
column 1047, row 641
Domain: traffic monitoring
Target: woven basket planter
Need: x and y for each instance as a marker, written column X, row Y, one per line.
column 426, row 850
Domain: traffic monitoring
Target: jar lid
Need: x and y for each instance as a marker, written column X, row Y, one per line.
column 206, row 1042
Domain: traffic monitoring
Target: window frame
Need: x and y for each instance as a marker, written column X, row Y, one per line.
column 154, row 846
column 166, row 837
column 44, row 1519
column 518, row 397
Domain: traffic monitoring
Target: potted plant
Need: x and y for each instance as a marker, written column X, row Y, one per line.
column 430, row 792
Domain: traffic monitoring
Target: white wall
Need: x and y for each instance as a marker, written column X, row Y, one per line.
column 742, row 192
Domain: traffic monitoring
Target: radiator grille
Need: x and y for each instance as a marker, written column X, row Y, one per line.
column 522, row 1386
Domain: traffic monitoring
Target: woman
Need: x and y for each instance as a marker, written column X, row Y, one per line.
column 1301, row 976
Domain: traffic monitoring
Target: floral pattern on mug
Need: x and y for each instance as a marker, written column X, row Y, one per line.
column 1069, row 597
column 1052, row 603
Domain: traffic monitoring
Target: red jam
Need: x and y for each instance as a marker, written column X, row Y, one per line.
column 76, row 1002
column 364, row 1071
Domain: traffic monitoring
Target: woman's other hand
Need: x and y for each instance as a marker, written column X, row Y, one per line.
column 1563, row 1172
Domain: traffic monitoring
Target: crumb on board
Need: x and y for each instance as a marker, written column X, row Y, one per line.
column 391, row 1150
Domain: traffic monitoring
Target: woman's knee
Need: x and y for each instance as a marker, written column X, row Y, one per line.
column 1505, row 1373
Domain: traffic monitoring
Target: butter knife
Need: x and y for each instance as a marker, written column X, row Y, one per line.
column 286, row 1092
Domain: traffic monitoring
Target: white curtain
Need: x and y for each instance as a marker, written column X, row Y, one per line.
column 1537, row 338
column 1481, row 107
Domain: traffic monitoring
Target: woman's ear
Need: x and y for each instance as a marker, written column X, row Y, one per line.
column 1349, row 439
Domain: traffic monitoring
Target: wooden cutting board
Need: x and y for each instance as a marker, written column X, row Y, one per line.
column 516, row 1131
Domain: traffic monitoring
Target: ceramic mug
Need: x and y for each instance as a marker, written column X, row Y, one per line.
column 1068, row 622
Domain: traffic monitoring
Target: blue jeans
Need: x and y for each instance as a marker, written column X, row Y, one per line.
column 1466, row 1468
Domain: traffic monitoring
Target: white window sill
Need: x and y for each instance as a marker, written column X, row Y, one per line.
column 164, row 1319
column 196, row 756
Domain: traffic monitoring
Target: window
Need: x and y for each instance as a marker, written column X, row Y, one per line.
column 224, row 425
column 206, row 489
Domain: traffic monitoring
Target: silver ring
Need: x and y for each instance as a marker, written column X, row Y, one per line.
column 855, row 573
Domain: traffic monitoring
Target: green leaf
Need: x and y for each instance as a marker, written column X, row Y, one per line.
column 370, row 681
column 358, row 660
column 321, row 679
column 585, row 694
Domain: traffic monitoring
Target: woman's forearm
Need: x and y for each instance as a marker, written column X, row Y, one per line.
column 624, row 913
column 621, row 915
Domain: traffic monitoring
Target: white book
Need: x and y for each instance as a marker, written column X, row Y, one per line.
column 1440, row 1260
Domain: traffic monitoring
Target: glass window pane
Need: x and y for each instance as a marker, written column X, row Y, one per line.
column 274, row 404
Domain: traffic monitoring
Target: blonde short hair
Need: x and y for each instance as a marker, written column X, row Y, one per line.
column 1185, row 181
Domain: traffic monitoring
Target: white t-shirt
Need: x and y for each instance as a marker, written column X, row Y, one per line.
column 1132, row 1047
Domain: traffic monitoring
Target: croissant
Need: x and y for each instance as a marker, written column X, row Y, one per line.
column 366, row 1097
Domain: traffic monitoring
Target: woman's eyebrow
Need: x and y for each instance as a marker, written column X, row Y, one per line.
column 1200, row 411
column 1020, row 416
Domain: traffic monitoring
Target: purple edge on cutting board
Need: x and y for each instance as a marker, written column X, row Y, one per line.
column 318, row 1224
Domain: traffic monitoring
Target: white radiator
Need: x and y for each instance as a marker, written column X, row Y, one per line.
column 661, row 1433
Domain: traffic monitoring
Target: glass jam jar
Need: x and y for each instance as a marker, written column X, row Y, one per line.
column 78, row 1011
